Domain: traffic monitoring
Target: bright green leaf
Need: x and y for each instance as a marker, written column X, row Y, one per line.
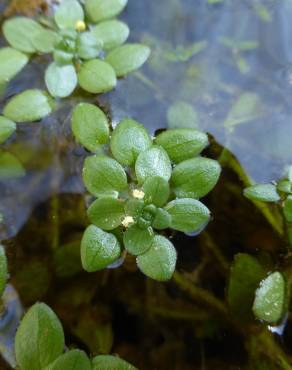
column 61, row 80
column 68, row 13
column 45, row 41
column 159, row 261
column 99, row 10
column 29, row 106
column 108, row 362
column 111, row 33
column 90, row 126
column 10, row 166
column 11, row 62
column 182, row 115
column 3, row 270
column 162, row 219
column 153, row 162
column 262, row 192
column 137, row 241
column 7, row 128
column 156, row 190
column 103, row 175
column 98, row 249
column 194, row 178
column 39, row 338
column 182, row 144
column 88, row 45
column 128, row 140
column 106, row 213
column 284, row 186
column 97, row 76
column 71, row 360
column 127, row 58
column 288, row 208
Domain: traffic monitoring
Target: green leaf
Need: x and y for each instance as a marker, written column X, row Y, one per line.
column 3, row 270
column 127, row 58
column 111, row 33
column 45, row 41
column 182, row 144
column 98, row 249
column 71, row 360
column 284, row 186
column 68, row 13
column 106, row 213
column 61, row 80
column 159, row 261
column 99, row 10
column 7, row 128
column 88, row 45
column 153, row 162
column 63, row 57
column 103, row 175
column 108, row 362
column 162, row 219
column 182, row 115
column 137, row 241
column 188, row 215
column 128, row 140
column 97, row 76
column 67, row 259
column 134, row 208
column 10, row 166
column 270, row 298
column 245, row 276
column 288, row 208
column 156, row 190
column 20, row 32
column 262, row 192
column 194, row 178
column 39, row 338
column 11, row 62
column 29, row 106
column 90, row 126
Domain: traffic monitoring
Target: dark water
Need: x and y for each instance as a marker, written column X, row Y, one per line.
column 229, row 66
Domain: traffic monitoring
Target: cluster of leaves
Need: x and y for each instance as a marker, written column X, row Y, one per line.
column 143, row 186
column 40, row 343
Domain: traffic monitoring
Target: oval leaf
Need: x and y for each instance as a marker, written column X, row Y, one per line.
column 103, row 175
column 45, row 41
column 106, row 213
column 106, row 362
column 111, row 33
column 182, row 144
column 162, row 219
column 97, row 77
column 88, row 46
column 98, row 249
column 29, row 106
column 39, row 338
column 153, row 162
column 60, row 80
column 7, row 128
column 10, row 166
column 129, row 139
column 71, row 360
column 127, row 58
column 287, row 207
column 194, row 178
column 11, row 62
column 156, row 190
column 188, row 215
column 99, row 10
column 262, row 192
column 90, row 126
column 137, row 241
column 270, row 298
column 159, row 261
column 3, row 270
column 68, row 13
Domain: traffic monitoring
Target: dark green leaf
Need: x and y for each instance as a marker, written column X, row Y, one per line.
column 156, row 190
column 288, row 208
column 128, row 140
column 162, row 219
column 106, row 213
column 7, row 128
column 39, row 338
column 97, row 76
column 68, row 13
column 99, row 10
column 159, row 261
column 137, row 241
column 103, row 175
column 134, row 207
column 194, row 178
column 11, row 62
column 88, row 45
column 3, row 270
column 10, row 166
column 127, row 58
column 262, row 192
column 90, row 126
column 29, row 106
column 71, row 360
column 98, row 249
column 111, row 33
column 61, row 80
column 107, row 362
column 45, row 41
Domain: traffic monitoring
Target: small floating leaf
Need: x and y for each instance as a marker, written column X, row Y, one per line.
column 182, row 115
column 68, row 13
column 128, row 140
column 97, row 76
column 39, row 338
column 106, row 362
column 106, row 213
column 71, row 360
column 10, row 166
column 90, row 126
column 98, row 249
column 45, row 41
column 61, row 80
column 159, row 261
column 182, row 144
column 127, row 58
column 88, row 46
column 270, row 298
column 288, row 208
column 103, row 175
column 111, row 33
column 188, row 215
column 156, row 191
column 3, row 270
column 7, row 128
column 29, row 106
column 262, row 192
column 194, row 178
column 11, row 62
column 99, row 10
column 137, row 241
column 153, row 162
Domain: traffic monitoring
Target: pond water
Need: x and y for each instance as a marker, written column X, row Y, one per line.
column 226, row 65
